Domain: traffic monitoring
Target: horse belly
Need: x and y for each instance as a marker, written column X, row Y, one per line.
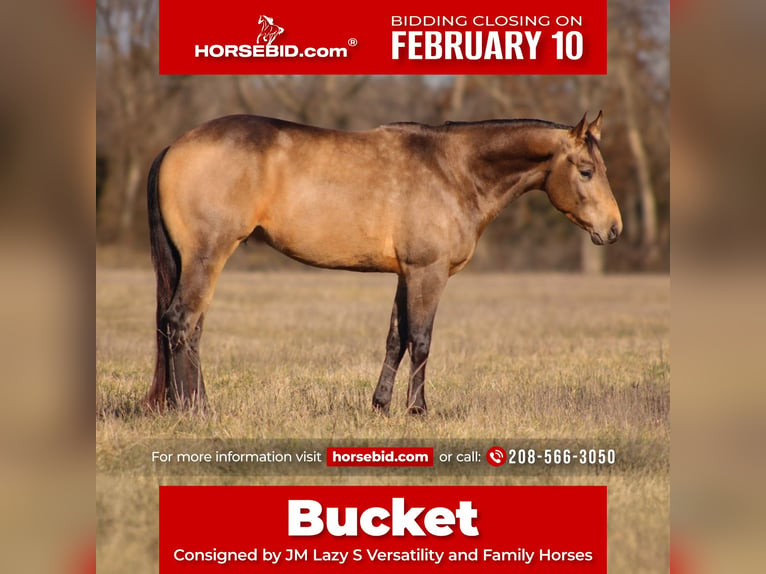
column 338, row 232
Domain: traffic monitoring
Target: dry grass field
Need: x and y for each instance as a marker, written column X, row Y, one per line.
column 296, row 355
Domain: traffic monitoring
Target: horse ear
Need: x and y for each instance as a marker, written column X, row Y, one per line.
column 595, row 126
column 578, row 132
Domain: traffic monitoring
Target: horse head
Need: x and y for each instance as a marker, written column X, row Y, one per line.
column 577, row 184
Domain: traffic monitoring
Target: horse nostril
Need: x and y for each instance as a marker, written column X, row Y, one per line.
column 613, row 233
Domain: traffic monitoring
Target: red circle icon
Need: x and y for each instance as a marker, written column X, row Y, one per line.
column 496, row 456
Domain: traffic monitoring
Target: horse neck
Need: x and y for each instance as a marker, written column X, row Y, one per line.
column 504, row 161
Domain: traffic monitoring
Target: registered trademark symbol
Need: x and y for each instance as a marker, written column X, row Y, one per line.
column 352, row 42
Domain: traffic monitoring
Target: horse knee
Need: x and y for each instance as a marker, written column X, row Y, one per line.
column 419, row 347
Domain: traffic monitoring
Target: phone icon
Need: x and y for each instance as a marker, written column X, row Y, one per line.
column 496, row 456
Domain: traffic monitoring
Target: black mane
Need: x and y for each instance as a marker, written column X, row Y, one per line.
column 481, row 123
column 590, row 140
column 514, row 122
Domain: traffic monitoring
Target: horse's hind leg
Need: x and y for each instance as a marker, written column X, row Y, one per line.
column 182, row 325
column 396, row 345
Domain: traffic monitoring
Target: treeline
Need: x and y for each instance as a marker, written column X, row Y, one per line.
column 139, row 112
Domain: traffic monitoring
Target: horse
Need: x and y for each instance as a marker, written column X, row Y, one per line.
column 404, row 198
column 269, row 30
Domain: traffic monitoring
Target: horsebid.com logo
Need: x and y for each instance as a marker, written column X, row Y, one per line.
column 269, row 30
column 264, row 46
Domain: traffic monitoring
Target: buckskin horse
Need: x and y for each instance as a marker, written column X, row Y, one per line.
column 404, row 198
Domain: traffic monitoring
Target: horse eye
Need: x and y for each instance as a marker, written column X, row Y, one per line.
column 586, row 173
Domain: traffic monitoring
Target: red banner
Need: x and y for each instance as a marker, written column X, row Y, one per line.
column 395, row 37
column 371, row 528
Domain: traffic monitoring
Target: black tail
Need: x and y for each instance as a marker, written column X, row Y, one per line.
column 167, row 267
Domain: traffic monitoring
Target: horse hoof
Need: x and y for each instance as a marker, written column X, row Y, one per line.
column 380, row 406
column 152, row 404
column 419, row 411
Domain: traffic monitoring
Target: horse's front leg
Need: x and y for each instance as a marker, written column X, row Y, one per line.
column 396, row 345
column 424, row 288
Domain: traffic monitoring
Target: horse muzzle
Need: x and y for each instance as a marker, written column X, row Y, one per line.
column 609, row 237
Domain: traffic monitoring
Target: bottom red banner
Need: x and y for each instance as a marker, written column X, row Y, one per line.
column 368, row 528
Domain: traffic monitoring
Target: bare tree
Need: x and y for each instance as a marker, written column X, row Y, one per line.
column 321, row 100
column 639, row 44
column 132, row 97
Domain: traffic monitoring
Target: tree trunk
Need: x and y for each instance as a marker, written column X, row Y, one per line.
column 457, row 97
column 132, row 184
column 592, row 257
column 648, row 204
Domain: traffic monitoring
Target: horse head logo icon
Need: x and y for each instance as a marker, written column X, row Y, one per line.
column 269, row 30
